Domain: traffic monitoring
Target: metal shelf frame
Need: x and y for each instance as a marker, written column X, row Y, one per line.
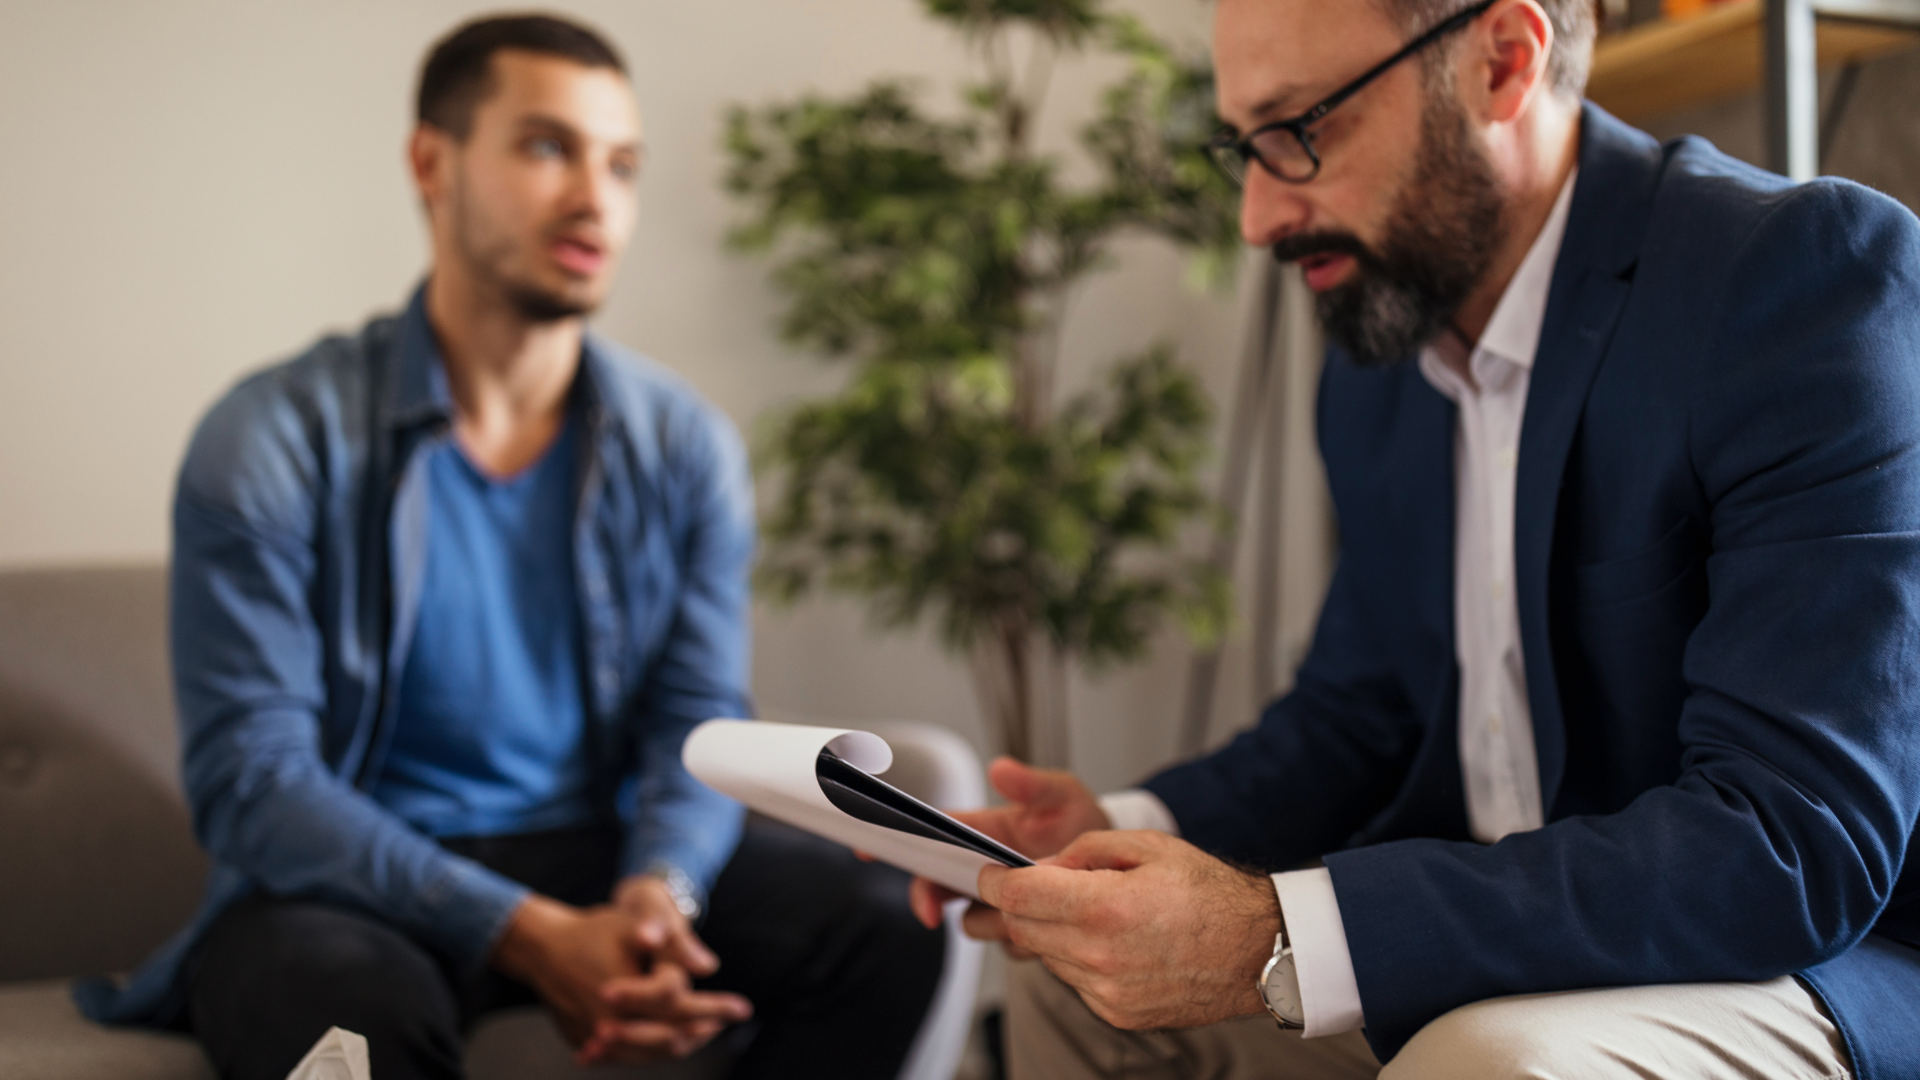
column 1793, row 72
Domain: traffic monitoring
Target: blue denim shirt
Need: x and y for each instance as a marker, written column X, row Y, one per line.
column 299, row 546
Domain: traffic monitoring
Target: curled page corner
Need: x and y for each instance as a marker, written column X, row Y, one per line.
column 863, row 750
column 773, row 768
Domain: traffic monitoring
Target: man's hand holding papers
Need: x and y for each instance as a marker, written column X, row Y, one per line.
column 1046, row 810
column 1150, row 930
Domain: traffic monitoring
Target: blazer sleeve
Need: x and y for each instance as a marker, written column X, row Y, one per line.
column 248, row 664
column 1322, row 760
column 1780, row 842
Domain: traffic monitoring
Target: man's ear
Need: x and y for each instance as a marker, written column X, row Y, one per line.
column 430, row 159
column 1512, row 65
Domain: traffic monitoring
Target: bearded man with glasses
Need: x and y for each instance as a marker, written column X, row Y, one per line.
column 1605, row 760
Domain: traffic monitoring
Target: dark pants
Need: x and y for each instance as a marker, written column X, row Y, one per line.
column 838, row 971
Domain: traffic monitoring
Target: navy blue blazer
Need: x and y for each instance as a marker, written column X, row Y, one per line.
column 1717, row 539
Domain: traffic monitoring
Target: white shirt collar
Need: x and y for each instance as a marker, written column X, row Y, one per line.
column 1514, row 331
column 1512, row 337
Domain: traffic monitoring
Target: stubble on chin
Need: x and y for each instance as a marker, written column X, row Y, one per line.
column 489, row 254
column 540, row 306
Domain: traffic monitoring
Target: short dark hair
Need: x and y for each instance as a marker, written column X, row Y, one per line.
column 458, row 74
column 1573, row 31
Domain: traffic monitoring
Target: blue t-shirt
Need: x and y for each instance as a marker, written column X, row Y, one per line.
column 490, row 737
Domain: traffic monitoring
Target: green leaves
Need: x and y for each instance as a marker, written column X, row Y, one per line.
column 1150, row 137
column 1064, row 22
column 919, row 488
column 932, row 252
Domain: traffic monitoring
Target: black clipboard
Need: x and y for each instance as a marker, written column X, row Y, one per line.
column 865, row 796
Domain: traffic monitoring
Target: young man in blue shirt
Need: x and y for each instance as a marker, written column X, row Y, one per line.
column 448, row 594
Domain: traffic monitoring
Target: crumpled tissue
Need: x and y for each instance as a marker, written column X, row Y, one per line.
column 339, row 1055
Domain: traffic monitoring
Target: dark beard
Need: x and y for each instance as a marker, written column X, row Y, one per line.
column 539, row 306
column 1439, row 242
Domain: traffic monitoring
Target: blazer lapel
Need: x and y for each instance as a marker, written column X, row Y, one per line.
column 1612, row 199
column 1422, row 483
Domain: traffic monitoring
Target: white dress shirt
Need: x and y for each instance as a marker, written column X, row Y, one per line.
column 1488, row 384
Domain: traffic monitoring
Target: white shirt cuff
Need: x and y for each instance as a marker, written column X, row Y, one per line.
column 1329, row 994
column 1137, row 808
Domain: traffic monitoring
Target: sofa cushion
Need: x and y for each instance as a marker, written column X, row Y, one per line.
column 43, row 1037
column 97, row 861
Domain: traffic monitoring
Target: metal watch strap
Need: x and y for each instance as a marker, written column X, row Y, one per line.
column 685, row 894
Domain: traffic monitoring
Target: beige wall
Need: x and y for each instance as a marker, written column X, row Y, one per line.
column 192, row 188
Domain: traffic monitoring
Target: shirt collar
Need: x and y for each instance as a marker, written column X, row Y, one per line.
column 1513, row 334
column 420, row 390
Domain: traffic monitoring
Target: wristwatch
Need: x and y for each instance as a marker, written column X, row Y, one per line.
column 1280, row 986
column 685, row 894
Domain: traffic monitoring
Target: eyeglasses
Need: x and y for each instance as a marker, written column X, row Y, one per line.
column 1285, row 147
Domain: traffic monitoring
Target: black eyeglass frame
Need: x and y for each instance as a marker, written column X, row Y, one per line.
column 1241, row 146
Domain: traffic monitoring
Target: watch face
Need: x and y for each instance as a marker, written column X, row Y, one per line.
column 1280, row 986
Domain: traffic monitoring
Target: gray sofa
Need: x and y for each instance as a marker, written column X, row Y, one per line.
column 97, row 864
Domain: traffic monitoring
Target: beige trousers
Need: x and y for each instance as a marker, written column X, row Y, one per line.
column 1715, row 1031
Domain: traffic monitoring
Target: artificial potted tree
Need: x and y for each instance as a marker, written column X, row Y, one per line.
column 950, row 478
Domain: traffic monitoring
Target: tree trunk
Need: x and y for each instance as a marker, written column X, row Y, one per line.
column 1020, row 678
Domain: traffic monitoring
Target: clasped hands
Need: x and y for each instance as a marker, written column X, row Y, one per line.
column 619, row 977
column 1150, row 930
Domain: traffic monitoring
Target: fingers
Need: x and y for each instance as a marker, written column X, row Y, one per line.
column 1108, row 851
column 652, row 933
column 645, row 1041
column 665, row 995
column 1057, row 942
column 983, row 923
column 658, row 1016
column 690, row 952
column 675, row 941
column 928, row 902
column 1047, row 893
column 653, row 994
column 1024, row 785
column 659, row 929
column 997, row 822
column 631, row 1041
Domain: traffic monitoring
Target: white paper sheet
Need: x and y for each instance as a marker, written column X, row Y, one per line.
column 770, row 767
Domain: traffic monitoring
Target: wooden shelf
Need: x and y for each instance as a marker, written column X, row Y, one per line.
column 1673, row 64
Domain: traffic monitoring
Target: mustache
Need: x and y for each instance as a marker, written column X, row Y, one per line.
column 1307, row 245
